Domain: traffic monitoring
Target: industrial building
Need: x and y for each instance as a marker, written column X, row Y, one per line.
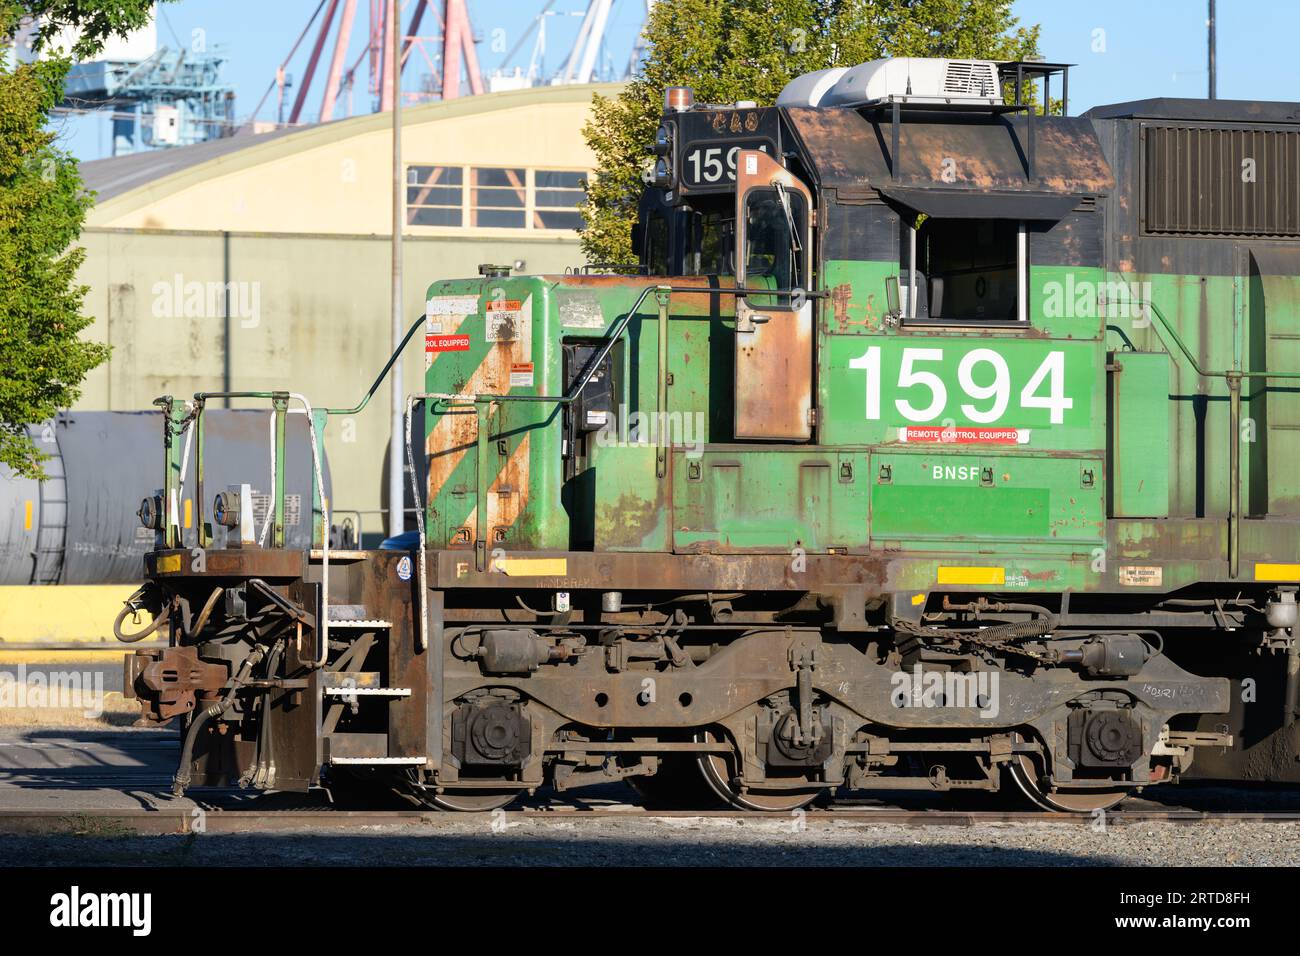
column 263, row 261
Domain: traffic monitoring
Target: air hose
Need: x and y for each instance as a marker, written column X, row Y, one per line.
column 202, row 619
column 132, row 606
column 215, row 709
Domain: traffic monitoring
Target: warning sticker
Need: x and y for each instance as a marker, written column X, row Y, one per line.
column 1141, row 576
column 446, row 343
column 461, row 305
column 963, row 435
column 521, row 375
column 504, row 319
column 581, row 310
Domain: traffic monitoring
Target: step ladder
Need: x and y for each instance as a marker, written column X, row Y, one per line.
column 350, row 687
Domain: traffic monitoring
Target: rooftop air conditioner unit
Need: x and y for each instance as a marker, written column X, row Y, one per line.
column 913, row 80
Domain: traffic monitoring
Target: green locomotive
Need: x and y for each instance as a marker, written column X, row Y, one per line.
column 933, row 443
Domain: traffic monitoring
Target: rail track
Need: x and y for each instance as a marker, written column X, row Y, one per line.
column 216, row 819
column 75, row 782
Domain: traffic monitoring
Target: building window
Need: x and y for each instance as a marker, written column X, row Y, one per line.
column 556, row 198
column 497, row 197
column 494, row 197
column 434, row 195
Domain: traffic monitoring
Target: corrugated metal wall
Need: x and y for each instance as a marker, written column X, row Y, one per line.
column 1222, row 182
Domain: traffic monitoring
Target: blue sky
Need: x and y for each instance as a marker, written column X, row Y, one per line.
column 1123, row 49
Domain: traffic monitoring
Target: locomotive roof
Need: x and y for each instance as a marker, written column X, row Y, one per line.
column 1197, row 110
column 956, row 164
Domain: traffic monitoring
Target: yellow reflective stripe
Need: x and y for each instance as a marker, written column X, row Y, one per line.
column 967, row 575
column 533, row 567
column 1277, row 572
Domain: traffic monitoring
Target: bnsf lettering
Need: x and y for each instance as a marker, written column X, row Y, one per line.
column 955, row 472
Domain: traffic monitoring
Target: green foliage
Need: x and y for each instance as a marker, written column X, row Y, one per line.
column 42, row 208
column 730, row 50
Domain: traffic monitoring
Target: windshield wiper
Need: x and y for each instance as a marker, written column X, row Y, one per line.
column 795, row 245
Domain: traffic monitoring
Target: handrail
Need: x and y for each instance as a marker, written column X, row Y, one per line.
column 1225, row 374
column 419, row 524
column 365, row 399
column 280, row 400
column 392, row 359
column 481, row 401
column 616, row 333
column 1233, row 379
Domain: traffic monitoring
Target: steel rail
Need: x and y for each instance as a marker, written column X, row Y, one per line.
column 182, row 820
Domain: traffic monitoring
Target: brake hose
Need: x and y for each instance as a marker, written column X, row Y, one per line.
column 215, row 709
column 131, row 607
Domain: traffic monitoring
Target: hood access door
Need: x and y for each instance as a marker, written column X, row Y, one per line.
column 774, row 326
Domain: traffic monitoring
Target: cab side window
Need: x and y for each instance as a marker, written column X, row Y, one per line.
column 656, row 246
column 711, row 243
column 774, row 222
column 966, row 270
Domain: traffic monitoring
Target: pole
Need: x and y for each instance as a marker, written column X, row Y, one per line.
column 227, row 361
column 1210, row 23
column 396, row 449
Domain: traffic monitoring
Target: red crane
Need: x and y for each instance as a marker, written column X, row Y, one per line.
column 448, row 52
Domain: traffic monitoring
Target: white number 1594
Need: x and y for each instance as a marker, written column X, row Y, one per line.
column 989, row 396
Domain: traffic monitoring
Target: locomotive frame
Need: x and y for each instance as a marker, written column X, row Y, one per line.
column 788, row 596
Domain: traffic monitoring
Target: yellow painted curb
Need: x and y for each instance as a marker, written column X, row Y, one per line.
column 73, row 612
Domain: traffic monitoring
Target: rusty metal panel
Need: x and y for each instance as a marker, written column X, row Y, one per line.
column 774, row 376
column 850, row 149
column 1237, row 181
column 774, row 347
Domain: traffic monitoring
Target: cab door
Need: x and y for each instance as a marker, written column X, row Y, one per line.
column 774, row 330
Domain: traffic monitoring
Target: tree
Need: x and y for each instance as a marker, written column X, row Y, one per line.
column 42, row 208
column 729, row 50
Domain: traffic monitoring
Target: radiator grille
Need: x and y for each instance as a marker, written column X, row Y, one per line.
column 970, row 78
column 1198, row 181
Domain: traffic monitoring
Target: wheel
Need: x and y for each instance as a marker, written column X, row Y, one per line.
column 716, row 771
column 1025, row 774
column 471, row 801
column 463, row 800
column 678, row 785
column 353, row 790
